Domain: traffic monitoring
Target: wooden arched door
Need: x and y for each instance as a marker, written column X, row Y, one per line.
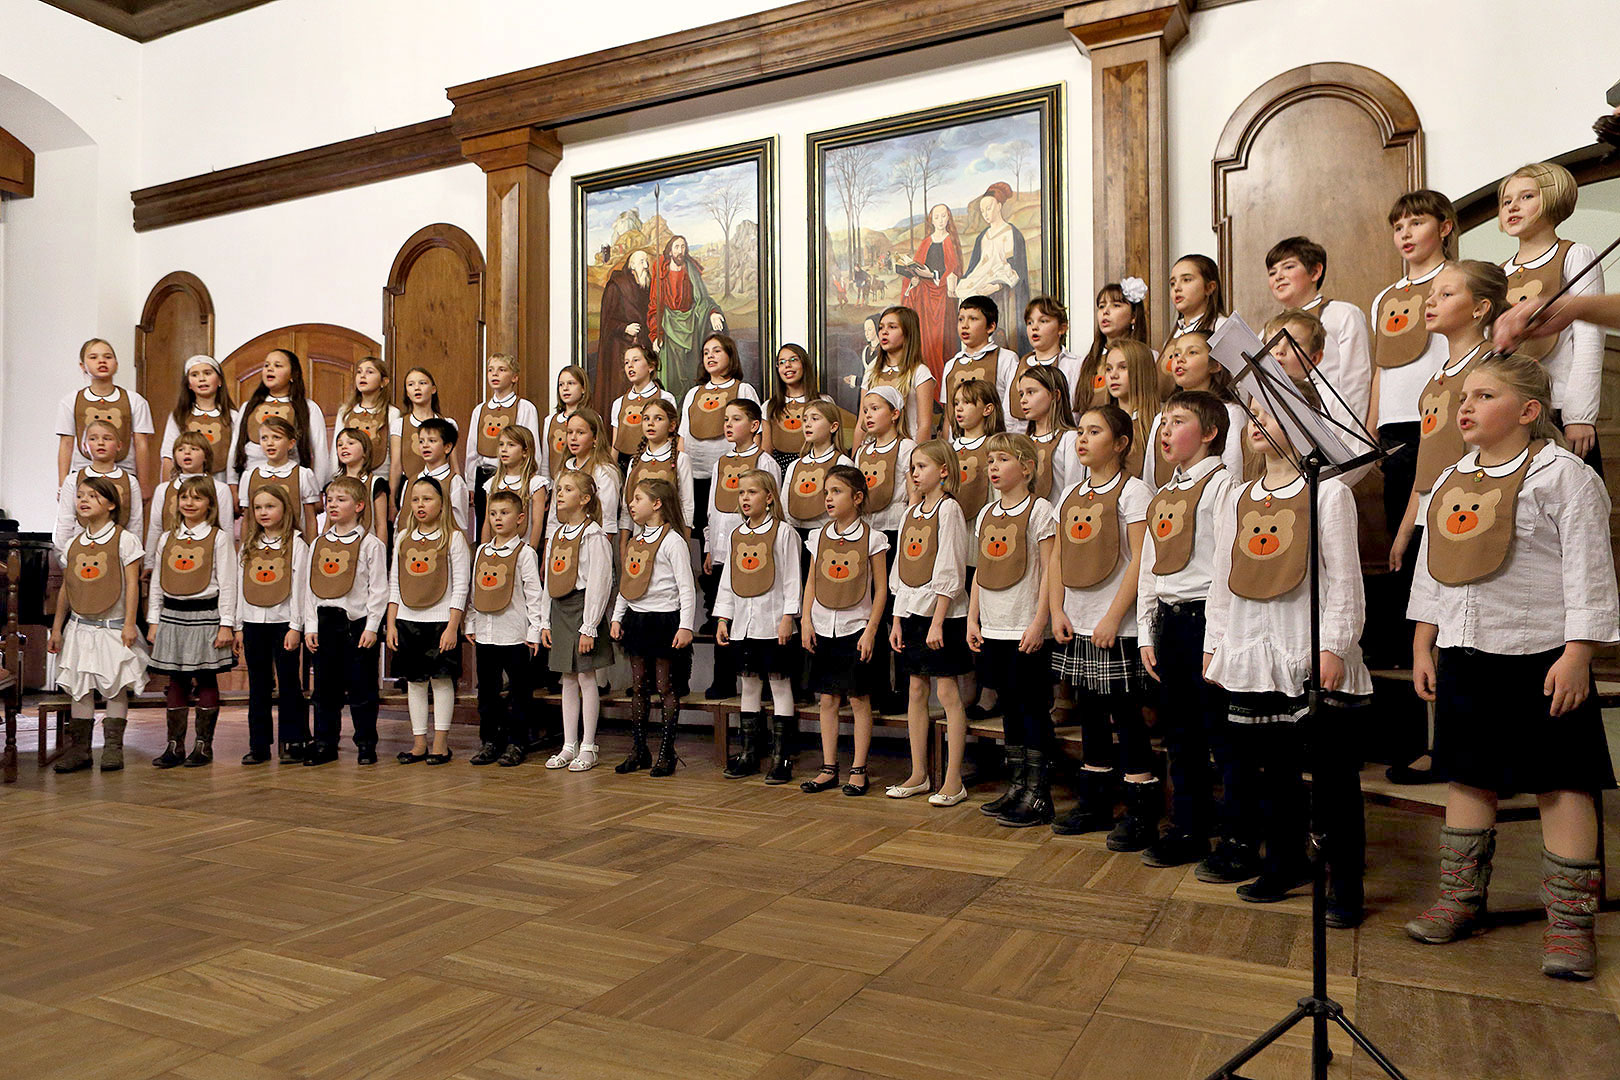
column 433, row 317
column 176, row 324
column 327, row 353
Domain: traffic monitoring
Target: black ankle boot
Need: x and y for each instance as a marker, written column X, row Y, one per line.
column 664, row 764
column 638, row 758
column 1014, row 757
column 175, row 752
column 782, row 731
column 751, row 731
column 1144, row 805
column 1033, row 804
column 1094, row 811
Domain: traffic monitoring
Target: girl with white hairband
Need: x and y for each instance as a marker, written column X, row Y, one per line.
column 204, row 406
column 884, row 458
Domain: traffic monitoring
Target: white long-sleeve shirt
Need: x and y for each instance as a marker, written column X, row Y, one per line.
column 717, row 533
column 683, row 485
column 527, row 416
column 455, row 593
column 1575, row 364
column 1400, row 388
column 1264, row 646
column 950, row 564
column 368, row 597
column 291, row 610
column 320, row 447
column 1191, row 582
column 672, row 587
column 1086, row 607
column 888, row 519
column 841, row 622
column 1004, row 614
column 519, row 622
column 594, row 575
column 705, row 452
column 221, row 583
column 757, row 617
column 154, row 527
column 1556, row 583
column 140, row 417
column 67, row 512
column 1346, row 352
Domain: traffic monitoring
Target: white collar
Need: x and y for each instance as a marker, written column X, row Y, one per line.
column 648, row 534
column 568, row 532
column 117, row 393
column 1185, row 479
column 663, row 454
column 1000, row 511
column 968, row 444
column 817, row 459
column 854, row 530
column 344, row 538
column 204, row 412
column 1119, row 476
column 1048, row 437
column 1451, row 369
column 755, row 530
column 277, row 400
column 417, row 534
column 719, row 385
column 414, row 422
column 734, row 452
column 797, row 399
column 437, row 472
column 1258, row 489
column 269, row 543
column 90, row 470
column 1313, row 303
column 651, row 389
column 505, row 548
column 280, row 472
column 186, row 532
column 1034, row 361
column 963, row 356
column 1534, row 264
column 1408, row 282
column 916, row 510
column 881, row 448
column 1469, row 463
column 501, row 402
column 370, row 410
column 101, row 535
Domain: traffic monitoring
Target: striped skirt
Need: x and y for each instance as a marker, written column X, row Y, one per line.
column 185, row 638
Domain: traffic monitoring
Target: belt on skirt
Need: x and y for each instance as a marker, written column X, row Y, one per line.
column 1182, row 607
column 100, row 624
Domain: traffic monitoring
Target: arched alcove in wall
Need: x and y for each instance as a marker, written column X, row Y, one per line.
column 177, row 323
column 433, row 315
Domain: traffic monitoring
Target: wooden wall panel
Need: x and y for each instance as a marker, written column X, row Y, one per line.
column 327, row 353
column 16, row 166
column 433, row 316
column 176, row 324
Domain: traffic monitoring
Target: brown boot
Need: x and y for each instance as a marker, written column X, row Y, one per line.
column 202, row 752
column 174, row 753
column 1569, row 889
column 1465, row 876
column 76, row 754
column 112, row 747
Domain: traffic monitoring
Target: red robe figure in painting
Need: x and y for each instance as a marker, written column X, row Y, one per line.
column 930, row 289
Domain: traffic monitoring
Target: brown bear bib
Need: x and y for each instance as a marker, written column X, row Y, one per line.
column 728, row 476
column 216, row 429
column 1004, row 547
column 267, row 575
column 983, row 369
column 424, row 572
column 126, row 498
column 493, row 577
column 1471, row 519
column 639, row 557
column 1014, row 407
column 95, row 580
column 753, row 561
column 557, row 444
column 1538, row 286
column 1045, row 447
column 562, row 564
column 627, row 424
column 647, row 468
column 332, row 566
column 1173, row 521
column 265, row 409
column 1400, row 335
column 374, row 422
column 919, row 546
column 115, row 411
column 410, row 458
column 492, row 420
column 973, row 479
column 292, row 484
column 843, row 571
column 1270, row 552
column 787, row 428
column 1088, row 536
column 805, row 497
column 188, row 565
column 1440, row 442
column 878, row 466
column 170, row 516
column 706, row 416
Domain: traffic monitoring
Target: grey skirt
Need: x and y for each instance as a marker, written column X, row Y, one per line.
column 567, row 616
column 185, row 639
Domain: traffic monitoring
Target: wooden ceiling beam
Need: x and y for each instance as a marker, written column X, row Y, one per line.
column 16, row 166
column 144, row 20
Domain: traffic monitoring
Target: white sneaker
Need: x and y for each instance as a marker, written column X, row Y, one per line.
column 585, row 761
column 561, row 758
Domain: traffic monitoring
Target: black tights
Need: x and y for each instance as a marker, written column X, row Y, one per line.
column 1134, row 755
column 642, row 682
column 178, row 695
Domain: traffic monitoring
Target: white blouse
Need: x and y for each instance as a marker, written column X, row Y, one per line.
column 757, row 617
column 292, row 610
column 672, row 586
column 705, row 452
column 1575, row 363
column 1004, row 614
column 455, row 594
column 950, row 565
column 519, row 622
column 1085, row 608
column 221, row 583
column 595, row 571
column 1191, row 582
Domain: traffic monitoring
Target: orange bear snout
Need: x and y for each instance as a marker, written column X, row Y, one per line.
column 1264, row 545
column 1080, row 530
column 1462, row 521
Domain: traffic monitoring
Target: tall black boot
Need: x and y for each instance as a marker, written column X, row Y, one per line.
column 664, row 765
column 1014, row 757
column 724, row 684
column 1033, row 804
column 175, row 752
column 1094, row 812
column 638, row 758
column 1144, row 806
column 751, row 734
column 783, row 728
column 202, row 752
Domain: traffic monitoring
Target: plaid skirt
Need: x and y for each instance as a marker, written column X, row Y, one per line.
column 1114, row 671
column 1276, row 708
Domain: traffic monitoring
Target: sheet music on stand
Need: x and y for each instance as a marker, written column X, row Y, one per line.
column 1257, row 374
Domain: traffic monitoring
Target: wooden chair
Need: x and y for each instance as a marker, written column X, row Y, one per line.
column 11, row 665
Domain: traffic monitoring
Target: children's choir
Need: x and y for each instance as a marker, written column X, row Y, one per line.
column 1119, row 525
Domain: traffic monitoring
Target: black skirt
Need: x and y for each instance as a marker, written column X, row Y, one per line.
column 836, row 667
column 1493, row 728
column 766, row 658
column 651, row 634
column 418, row 658
column 916, row 658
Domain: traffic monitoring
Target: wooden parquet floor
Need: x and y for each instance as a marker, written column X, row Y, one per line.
column 415, row 923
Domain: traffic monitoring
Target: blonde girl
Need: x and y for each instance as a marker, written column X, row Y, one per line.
column 1193, row 368
column 203, row 406
column 427, row 600
column 502, row 408
column 578, row 569
column 101, row 443
column 1043, row 397
column 271, row 593
column 796, row 386
column 125, row 410
column 1133, row 384
column 192, row 455
column 806, row 501
column 191, row 613
column 369, row 411
column 421, row 405
column 591, row 451
column 899, row 363
column 517, row 471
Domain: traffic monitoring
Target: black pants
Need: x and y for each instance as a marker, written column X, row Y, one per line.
column 1024, row 683
column 883, row 656
column 1193, row 715
column 503, row 719
column 345, row 673
column 1134, row 754
column 273, row 674
column 481, row 499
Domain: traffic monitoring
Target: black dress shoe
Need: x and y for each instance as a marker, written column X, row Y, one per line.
column 1176, row 848
column 487, row 754
column 440, row 759
column 1406, row 775
column 293, row 752
column 865, row 786
column 407, row 758
column 512, row 755
column 366, row 755
column 256, row 756
column 1274, row 885
column 320, row 754
column 813, row 786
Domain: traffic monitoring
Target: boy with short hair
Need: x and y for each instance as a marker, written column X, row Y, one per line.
column 436, row 440
column 1297, row 269
column 1178, row 560
column 1312, row 337
column 503, row 623
column 980, row 357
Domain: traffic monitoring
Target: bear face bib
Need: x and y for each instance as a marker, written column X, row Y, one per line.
column 706, row 416
column 879, row 467
column 115, row 410
column 1173, row 521
column 1538, row 286
column 787, row 428
column 1440, row 442
column 1088, row 534
column 753, row 561
column 557, row 443
column 493, row 577
column 332, row 566
column 424, row 571
column 973, row 478
column 188, row 565
column 122, row 481
column 640, row 555
column 728, row 474
column 1271, row 552
column 1471, row 522
column 843, row 570
column 919, row 546
column 492, row 420
column 649, row 468
column 264, row 410
column 806, row 500
column 1400, row 335
column 562, row 563
column 983, row 369
column 1004, row 547
column 374, row 422
column 215, row 427
column 94, row 579
column 267, row 575
column 627, row 423
column 410, row 457
column 1045, row 447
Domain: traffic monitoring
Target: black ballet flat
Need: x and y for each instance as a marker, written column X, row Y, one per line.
column 850, row 789
column 814, row 787
column 440, row 759
column 366, row 755
column 407, row 758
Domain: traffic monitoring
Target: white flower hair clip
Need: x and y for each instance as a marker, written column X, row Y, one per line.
column 1134, row 288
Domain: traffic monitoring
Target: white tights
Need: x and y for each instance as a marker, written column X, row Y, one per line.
column 581, row 703
column 84, row 708
column 753, row 694
column 444, row 704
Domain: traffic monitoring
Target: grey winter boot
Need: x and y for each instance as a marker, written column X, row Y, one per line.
column 76, row 755
column 1465, row 877
column 202, row 751
column 112, row 747
column 174, row 753
column 1569, row 889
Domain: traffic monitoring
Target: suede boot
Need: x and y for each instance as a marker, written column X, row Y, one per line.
column 76, row 755
column 1033, row 804
column 1569, row 889
column 112, row 746
column 1094, row 811
column 751, row 728
column 1014, row 757
column 174, row 753
column 783, row 728
column 1144, row 805
column 202, row 751
column 1465, row 878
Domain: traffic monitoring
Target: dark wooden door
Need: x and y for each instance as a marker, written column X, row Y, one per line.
column 327, row 353
column 176, row 324
column 433, row 317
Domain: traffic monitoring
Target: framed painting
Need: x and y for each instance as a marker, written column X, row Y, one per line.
column 667, row 252
column 925, row 209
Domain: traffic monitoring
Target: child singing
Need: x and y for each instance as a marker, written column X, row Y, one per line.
column 269, row 619
column 503, row 623
column 579, row 587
